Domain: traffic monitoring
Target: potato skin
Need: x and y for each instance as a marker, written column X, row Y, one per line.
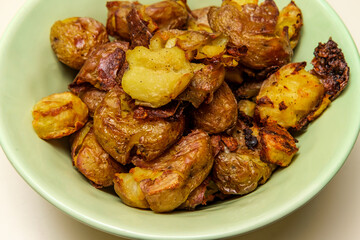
column 168, row 14
column 116, row 24
column 220, row 114
column 203, row 85
column 288, row 96
column 91, row 160
column 254, row 27
column 92, row 97
column 123, row 136
column 59, row 115
column 104, row 67
column 237, row 173
column 185, row 166
column 73, row 39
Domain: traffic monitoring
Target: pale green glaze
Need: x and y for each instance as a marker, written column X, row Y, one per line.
column 30, row 71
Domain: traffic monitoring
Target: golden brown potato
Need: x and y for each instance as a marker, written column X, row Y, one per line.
column 288, row 96
column 123, row 136
column 254, row 26
column 73, row 39
column 239, row 173
column 246, row 107
column 155, row 77
column 220, row 114
column 59, row 115
column 91, row 160
column 291, row 17
column 92, row 97
column 207, row 79
column 277, row 145
column 167, row 181
column 197, row 45
column 104, row 67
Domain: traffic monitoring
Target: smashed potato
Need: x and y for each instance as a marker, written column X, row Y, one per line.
column 167, row 181
column 218, row 115
column 59, row 115
column 73, row 39
column 91, row 159
column 123, row 136
column 155, row 77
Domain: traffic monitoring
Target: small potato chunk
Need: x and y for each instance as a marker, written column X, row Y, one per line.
column 288, row 96
column 123, row 136
column 91, row 160
column 182, row 168
column 116, row 24
column 104, row 67
column 199, row 20
column 207, row 79
column 73, row 39
column 277, row 145
column 291, row 17
column 59, row 115
column 155, row 77
column 239, row 173
column 220, row 114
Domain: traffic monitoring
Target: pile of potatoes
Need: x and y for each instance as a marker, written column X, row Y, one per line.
column 175, row 107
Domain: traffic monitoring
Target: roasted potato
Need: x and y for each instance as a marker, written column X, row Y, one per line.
column 290, row 17
column 165, row 15
column 220, row 114
column 155, row 77
column 73, row 39
column 277, row 145
column 123, row 136
column 254, row 26
column 91, row 160
column 92, row 97
column 239, row 173
column 288, row 96
column 104, row 67
column 207, row 79
column 199, row 21
column 116, row 24
column 167, row 181
column 59, row 115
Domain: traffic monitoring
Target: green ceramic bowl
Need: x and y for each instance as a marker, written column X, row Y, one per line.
column 30, row 71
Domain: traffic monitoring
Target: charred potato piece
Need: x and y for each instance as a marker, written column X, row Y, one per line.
column 253, row 27
column 92, row 97
column 140, row 33
column 123, row 136
column 207, row 79
column 288, row 96
column 167, row 181
column 91, row 160
column 155, row 77
column 73, row 39
column 239, row 173
column 59, row 115
column 104, row 67
column 220, row 114
column 277, row 145
column 290, row 17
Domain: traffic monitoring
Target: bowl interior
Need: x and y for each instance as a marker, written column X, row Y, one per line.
column 29, row 71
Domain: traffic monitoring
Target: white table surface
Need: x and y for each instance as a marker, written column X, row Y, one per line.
column 333, row 214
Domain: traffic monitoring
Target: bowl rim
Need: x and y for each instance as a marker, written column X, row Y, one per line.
column 284, row 211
